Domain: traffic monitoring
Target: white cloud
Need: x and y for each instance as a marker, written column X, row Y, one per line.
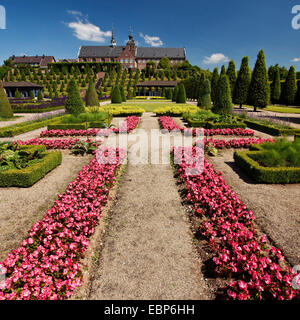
column 75, row 13
column 296, row 60
column 84, row 30
column 153, row 41
column 216, row 58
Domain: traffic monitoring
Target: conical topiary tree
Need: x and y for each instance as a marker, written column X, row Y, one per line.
column 223, row 103
column 181, row 96
column 175, row 92
column 116, row 95
column 5, row 107
column 91, row 96
column 129, row 95
column 40, row 95
column 74, row 104
column 205, row 95
column 18, row 94
column 231, row 73
column 276, row 87
column 259, row 90
column 214, row 84
column 223, row 71
column 123, row 94
column 290, row 87
column 242, row 83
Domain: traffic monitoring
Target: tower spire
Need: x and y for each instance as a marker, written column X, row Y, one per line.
column 113, row 40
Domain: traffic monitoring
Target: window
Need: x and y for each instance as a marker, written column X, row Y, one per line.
column 126, row 60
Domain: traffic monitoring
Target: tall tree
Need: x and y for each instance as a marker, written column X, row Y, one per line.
column 214, row 84
column 242, row 83
column 5, row 107
column 276, row 86
column 259, row 90
column 290, row 87
column 164, row 63
column 297, row 98
column 223, row 103
column 91, row 96
column 231, row 73
column 74, row 104
column 223, row 71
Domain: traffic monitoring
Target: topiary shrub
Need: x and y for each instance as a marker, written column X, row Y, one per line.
column 181, row 96
column 18, row 94
column 74, row 104
column 223, row 102
column 40, row 96
column 204, row 100
column 116, row 95
column 5, row 107
column 123, row 94
column 91, row 95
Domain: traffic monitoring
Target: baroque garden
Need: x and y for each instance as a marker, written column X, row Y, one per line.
column 81, row 220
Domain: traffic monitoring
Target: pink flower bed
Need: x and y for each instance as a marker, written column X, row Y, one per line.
column 234, row 143
column 258, row 271
column 63, row 144
column 167, row 123
column 126, row 127
column 46, row 266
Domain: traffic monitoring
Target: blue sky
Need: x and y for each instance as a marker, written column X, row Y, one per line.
column 211, row 31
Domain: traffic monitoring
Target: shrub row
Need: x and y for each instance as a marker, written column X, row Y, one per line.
column 211, row 125
column 18, row 129
column 263, row 174
column 270, row 129
column 26, row 177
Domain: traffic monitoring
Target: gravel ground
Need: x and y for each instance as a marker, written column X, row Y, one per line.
column 276, row 207
column 28, row 205
column 148, row 251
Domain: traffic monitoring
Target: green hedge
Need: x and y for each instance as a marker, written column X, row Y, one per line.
column 25, row 178
column 297, row 137
column 270, row 129
column 21, row 128
column 211, row 125
column 263, row 174
column 24, row 110
column 77, row 126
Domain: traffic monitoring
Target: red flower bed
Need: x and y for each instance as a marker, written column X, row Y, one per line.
column 234, row 143
column 126, row 127
column 63, row 144
column 46, row 266
column 259, row 272
column 168, row 124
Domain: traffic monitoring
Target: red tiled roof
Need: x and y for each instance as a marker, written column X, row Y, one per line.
column 41, row 60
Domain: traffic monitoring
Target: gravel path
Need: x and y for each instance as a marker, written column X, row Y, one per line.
column 28, row 205
column 276, row 207
column 148, row 251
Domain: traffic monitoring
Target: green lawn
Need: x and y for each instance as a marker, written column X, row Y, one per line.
column 283, row 109
column 279, row 109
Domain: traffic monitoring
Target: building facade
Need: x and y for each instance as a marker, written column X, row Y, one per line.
column 33, row 61
column 130, row 56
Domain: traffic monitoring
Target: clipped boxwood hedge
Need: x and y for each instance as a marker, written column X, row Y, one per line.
column 21, row 128
column 297, row 136
column 27, row 177
column 211, row 125
column 283, row 175
column 270, row 129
